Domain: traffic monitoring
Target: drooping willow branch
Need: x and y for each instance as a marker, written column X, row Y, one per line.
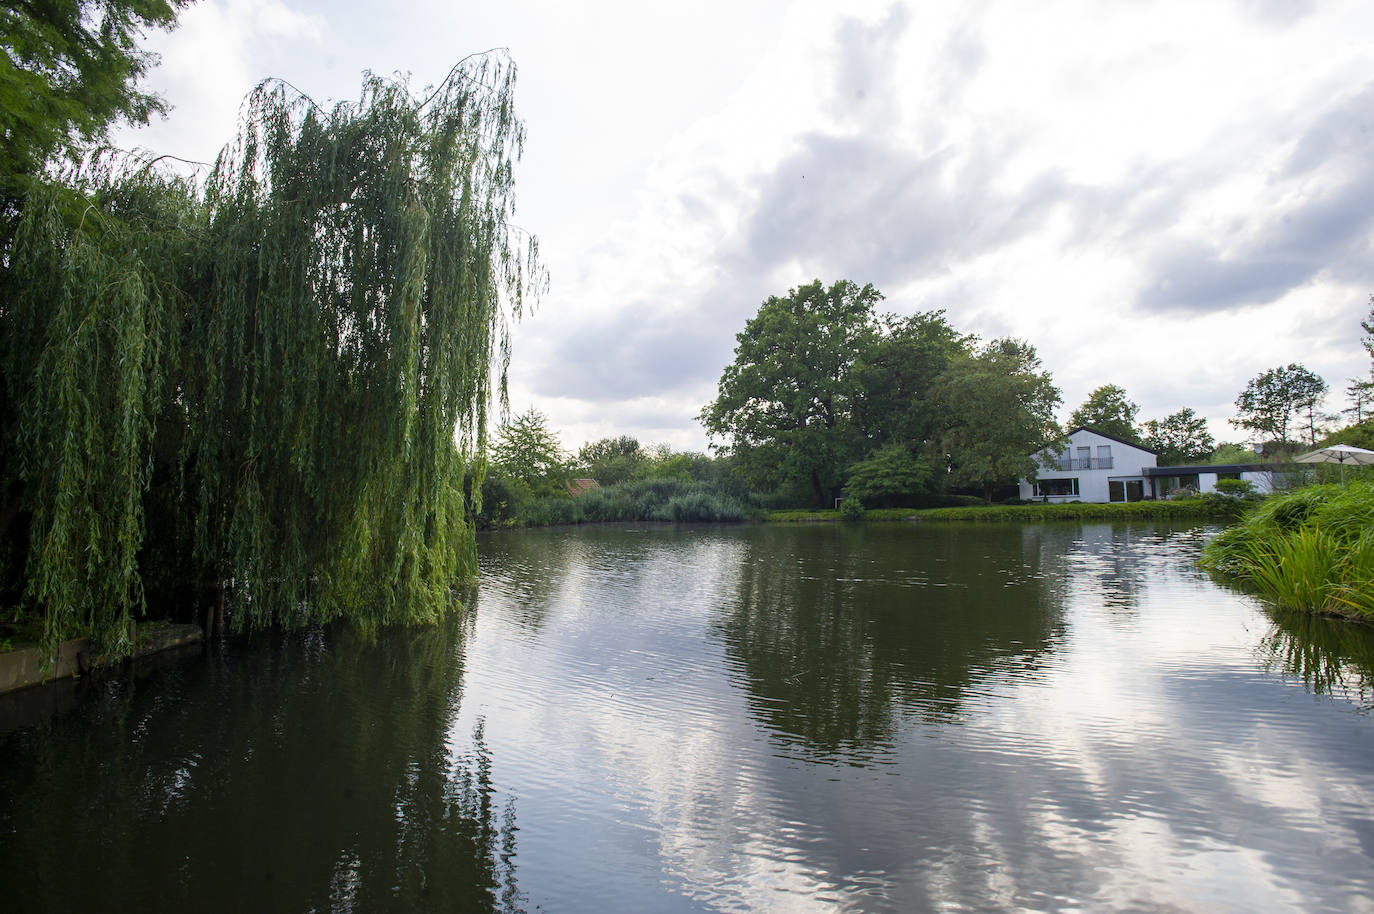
column 275, row 383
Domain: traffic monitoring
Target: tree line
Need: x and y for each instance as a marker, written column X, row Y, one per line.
column 826, row 397
column 829, row 399
column 826, row 393
column 532, row 480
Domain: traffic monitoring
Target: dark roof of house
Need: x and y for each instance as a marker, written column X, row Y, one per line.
column 578, row 487
column 1218, row 468
column 1139, row 447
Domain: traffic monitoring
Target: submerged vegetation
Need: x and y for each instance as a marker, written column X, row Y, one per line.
column 1312, row 550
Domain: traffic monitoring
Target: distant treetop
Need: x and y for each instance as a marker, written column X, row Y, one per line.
column 1110, row 411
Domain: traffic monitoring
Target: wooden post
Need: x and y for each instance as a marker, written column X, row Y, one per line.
column 219, row 614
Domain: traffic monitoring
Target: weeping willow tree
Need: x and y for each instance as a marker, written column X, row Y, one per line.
column 90, row 323
column 272, row 385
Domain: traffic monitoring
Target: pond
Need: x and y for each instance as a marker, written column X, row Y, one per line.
column 762, row 718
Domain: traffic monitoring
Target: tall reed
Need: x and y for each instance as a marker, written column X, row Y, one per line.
column 1311, row 550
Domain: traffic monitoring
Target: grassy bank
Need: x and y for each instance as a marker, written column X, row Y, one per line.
column 666, row 500
column 1219, row 508
column 1311, row 550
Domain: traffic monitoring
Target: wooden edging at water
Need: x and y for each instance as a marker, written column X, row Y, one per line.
column 22, row 668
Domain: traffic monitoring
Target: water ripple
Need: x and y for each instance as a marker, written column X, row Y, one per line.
column 872, row 725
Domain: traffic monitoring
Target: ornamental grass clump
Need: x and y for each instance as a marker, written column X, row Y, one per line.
column 1311, row 550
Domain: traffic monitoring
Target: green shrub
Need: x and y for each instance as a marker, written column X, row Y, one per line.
column 603, row 505
column 889, row 476
column 1222, row 506
column 1236, row 488
column 503, row 502
column 551, row 510
column 701, row 507
column 657, row 499
column 852, row 509
column 659, row 489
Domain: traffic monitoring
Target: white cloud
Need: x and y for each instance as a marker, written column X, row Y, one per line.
column 219, row 51
column 1163, row 196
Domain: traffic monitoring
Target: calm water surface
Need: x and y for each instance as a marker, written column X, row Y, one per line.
column 825, row 718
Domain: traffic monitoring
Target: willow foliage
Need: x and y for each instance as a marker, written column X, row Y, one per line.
column 89, row 319
column 274, row 383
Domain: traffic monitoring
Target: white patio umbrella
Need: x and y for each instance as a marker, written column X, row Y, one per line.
column 1339, row 453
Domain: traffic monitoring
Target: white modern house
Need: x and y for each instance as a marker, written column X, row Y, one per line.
column 1095, row 468
column 1099, row 468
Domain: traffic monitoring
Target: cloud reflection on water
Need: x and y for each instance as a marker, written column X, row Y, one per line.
column 896, row 718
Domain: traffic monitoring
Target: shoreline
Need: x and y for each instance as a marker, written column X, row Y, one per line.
column 22, row 667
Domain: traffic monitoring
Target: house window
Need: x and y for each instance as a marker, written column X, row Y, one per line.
column 1127, row 490
column 1104, row 457
column 1056, row 488
column 1170, row 486
column 1085, row 459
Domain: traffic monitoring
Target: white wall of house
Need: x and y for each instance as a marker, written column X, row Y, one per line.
column 1262, row 480
column 1084, row 472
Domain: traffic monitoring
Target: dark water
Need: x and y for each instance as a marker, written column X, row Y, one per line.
column 903, row 718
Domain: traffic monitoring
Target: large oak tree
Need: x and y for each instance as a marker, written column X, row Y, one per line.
column 894, row 376
column 786, row 403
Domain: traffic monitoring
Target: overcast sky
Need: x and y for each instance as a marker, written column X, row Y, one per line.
column 1168, row 196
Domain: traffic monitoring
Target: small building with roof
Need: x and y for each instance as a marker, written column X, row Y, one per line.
column 1203, row 478
column 578, row 487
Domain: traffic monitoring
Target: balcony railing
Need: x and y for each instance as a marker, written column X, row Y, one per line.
column 1079, row 463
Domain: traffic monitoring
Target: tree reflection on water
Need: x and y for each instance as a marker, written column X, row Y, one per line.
column 315, row 772
column 838, row 641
